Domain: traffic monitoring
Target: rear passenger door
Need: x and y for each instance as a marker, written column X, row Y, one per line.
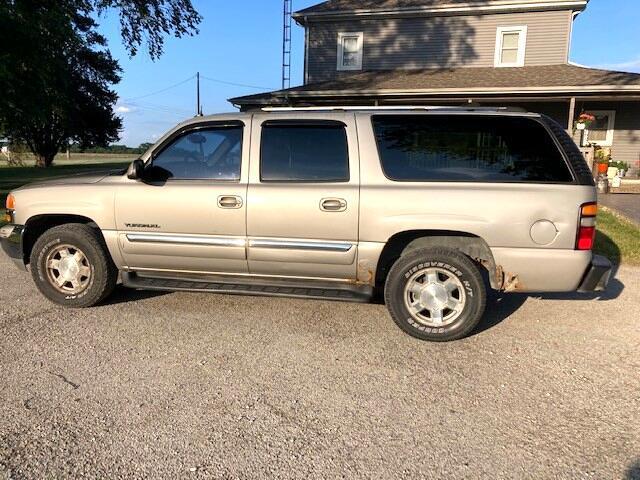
column 303, row 196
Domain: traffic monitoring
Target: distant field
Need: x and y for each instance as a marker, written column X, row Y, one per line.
column 75, row 159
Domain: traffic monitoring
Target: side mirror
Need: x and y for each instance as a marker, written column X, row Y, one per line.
column 134, row 172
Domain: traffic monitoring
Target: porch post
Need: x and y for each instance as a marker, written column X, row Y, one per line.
column 572, row 114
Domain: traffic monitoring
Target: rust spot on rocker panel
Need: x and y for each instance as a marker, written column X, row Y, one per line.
column 365, row 273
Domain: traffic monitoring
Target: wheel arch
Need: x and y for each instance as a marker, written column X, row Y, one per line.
column 38, row 224
column 471, row 245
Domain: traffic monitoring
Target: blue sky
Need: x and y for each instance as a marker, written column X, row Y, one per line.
column 240, row 42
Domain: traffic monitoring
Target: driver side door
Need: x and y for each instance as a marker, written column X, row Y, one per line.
column 188, row 213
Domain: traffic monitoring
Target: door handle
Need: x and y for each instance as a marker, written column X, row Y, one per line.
column 333, row 204
column 229, row 201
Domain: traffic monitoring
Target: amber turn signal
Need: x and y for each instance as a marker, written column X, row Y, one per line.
column 590, row 210
column 11, row 202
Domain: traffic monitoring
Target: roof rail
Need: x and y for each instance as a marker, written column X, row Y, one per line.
column 332, row 108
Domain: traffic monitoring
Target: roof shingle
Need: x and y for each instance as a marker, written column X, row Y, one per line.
column 334, row 6
column 565, row 77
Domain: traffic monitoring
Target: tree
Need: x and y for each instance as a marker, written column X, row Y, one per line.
column 149, row 21
column 58, row 85
column 56, row 74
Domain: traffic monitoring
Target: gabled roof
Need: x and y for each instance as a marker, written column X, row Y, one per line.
column 335, row 8
column 565, row 79
column 363, row 7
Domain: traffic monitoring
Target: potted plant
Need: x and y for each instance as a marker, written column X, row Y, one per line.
column 584, row 121
column 602, row 160
column 623, row 168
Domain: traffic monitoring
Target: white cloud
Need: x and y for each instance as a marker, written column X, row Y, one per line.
column 123, row 109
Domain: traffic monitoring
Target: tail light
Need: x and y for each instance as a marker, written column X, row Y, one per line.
column 587, row 226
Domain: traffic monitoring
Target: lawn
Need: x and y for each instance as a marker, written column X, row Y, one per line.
column 617, row 239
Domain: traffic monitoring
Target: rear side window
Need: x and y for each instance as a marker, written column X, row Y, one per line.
column 304, row 153
column 468, row 148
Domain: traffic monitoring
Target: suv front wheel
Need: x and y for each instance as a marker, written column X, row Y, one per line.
column 435, row 294
column 71, row 266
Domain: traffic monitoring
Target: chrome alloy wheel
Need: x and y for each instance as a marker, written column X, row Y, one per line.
column 68, row 269
column 435, row 297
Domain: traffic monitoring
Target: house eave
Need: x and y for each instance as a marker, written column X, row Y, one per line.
column 501, row 6
column 610, row 90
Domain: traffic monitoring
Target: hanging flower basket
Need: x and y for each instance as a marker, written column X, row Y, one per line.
column 584, row 121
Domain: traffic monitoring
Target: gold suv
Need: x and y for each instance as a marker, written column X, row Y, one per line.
column 429, row 206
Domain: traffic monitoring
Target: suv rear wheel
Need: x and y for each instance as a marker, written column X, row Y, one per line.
column 71, row 266
column 435, row 294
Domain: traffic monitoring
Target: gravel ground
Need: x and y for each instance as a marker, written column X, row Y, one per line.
column 206, row 386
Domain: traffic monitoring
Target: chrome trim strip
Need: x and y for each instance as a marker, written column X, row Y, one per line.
column 186, row 240
column 300, row 245
column 234, row 274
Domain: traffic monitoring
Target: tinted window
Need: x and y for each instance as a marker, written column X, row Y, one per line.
column 209, row 154
column 306, row 153
column 467, row 148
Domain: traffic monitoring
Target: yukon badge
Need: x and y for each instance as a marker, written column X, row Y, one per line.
column 141, row 225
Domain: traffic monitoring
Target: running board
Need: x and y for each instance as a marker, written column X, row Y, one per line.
column 314, row 289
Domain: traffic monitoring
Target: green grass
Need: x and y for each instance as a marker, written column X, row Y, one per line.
column 617, row 238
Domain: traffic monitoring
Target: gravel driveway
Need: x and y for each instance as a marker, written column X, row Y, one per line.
column 205, row 386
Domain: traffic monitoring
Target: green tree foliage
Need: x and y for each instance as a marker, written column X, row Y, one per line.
column 56, row 74
column 149, row 21
column 56, row 77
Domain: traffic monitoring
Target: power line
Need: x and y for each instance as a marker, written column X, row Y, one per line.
column 162, row 90
column 224, row 82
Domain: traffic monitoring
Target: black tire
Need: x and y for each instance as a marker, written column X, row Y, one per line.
column 455, row 264
column 104, row 273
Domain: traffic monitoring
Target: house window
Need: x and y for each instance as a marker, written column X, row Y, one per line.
column 511, row 45
column 601, row 131
column 350, row 51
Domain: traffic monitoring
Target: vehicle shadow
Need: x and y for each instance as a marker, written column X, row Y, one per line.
column 501, row 306
column 125, row 295
column 633, row 471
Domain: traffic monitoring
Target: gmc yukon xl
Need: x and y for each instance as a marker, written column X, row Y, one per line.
column 429, row 206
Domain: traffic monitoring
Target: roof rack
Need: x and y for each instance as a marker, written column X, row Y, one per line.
column 390, row 107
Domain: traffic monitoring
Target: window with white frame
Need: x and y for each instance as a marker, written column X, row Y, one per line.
column 350, row 51
column 511, row 46
column 601, row 131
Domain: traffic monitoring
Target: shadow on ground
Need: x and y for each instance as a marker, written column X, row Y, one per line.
column 501, row 306
column 125, row 295
column 604, row 245
column 633, row 471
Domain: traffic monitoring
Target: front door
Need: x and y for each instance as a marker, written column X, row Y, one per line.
column 302, row 217
column 188, row 213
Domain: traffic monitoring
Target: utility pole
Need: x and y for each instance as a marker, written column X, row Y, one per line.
column 198, row 106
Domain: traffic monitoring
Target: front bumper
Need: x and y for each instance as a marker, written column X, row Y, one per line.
column 597, row 276
column 11, row 242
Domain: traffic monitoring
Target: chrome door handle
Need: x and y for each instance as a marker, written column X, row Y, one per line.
column 333, row 204
column 229, row 201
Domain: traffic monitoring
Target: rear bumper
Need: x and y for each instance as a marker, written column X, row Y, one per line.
column 11, row 242
column 597, row 276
